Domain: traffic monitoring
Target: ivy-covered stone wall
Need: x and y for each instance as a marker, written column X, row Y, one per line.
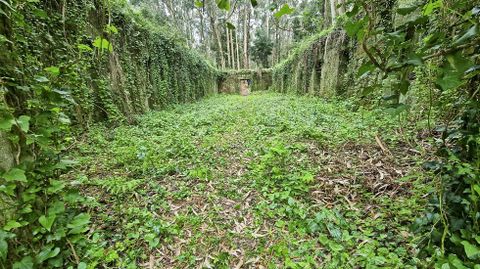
column 229, row 81
column 107, row 60
column 316, row 67
column 68, row 64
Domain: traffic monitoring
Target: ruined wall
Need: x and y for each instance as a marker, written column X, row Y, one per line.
column 317, row 66
column 230, row 81
column 334, row 64
column 82, row 62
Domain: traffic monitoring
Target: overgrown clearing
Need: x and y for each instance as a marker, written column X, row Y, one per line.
column 263, row 181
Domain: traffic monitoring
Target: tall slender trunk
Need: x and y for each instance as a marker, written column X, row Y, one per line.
column 238, row 54
column 333, row 9
column 232, row 49
column 326, row 12
column 246, row 36
column 277, row 45
column 211, row 10
column 219, row 42
column 202, row 27
column 229, row 58
column 268, row 26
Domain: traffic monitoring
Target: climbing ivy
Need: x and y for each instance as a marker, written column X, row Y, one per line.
column 440, row 38
column 65, row 65
column 421, row 56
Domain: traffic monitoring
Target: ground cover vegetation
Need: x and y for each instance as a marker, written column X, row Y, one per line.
column 363, row 154
column 268, row 180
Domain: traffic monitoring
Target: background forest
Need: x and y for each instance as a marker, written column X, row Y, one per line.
column 245, row 36
column 87, row 160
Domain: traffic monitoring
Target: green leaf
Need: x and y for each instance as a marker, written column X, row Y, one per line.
column 65, row 163
column 473, row 31
column 456, row 262
column 6, row 123
column 472, row 251
column 55, row 71
column 47, row 253
column 83, row 47
column 25, row 263
column 230, row 25
column 369, row 89
column 476, row 187
column 40, row 13
column 254, row 3
column 111, row 29
column 199, row 4
column 47, row 221
column 82, row 265
column 459, row 62
column 55, row 186
column 8, row 189
column 365, row 69
column 102, row 44
column 414, row 59
column 406, row 10
column 432, row 6
column 285, row 10
column 223, row 4
column 452, row 71
column 403, row 86
column 353, row 27
column 152, row 240
column 11, row 224
column 24, row 123
column 15, row 174
column 41, row 79
column 56, row 208
column 79, row 223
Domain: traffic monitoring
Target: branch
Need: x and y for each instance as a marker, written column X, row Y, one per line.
column 365, row 39
column 437, row 54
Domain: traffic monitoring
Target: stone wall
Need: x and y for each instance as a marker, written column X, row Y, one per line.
column 317, row 67
column 230, row 81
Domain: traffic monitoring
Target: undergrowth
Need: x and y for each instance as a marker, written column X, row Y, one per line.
column 266, row 180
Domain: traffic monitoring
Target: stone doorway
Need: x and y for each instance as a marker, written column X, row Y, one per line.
column 244, row 86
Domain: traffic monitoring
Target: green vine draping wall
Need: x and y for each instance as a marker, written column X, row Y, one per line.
column 65, row 65
column 316, row 67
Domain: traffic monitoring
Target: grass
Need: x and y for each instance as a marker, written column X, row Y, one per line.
column 264, row 181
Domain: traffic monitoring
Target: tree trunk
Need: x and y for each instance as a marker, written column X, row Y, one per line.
column 229, row 60
column 246, row 36
column 202, row 26
column 238, row 51
column 333, row 9
column 216, row 33
column 232, row 49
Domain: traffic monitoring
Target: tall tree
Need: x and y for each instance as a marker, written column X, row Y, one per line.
column 262, row 48
column 246, row 35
